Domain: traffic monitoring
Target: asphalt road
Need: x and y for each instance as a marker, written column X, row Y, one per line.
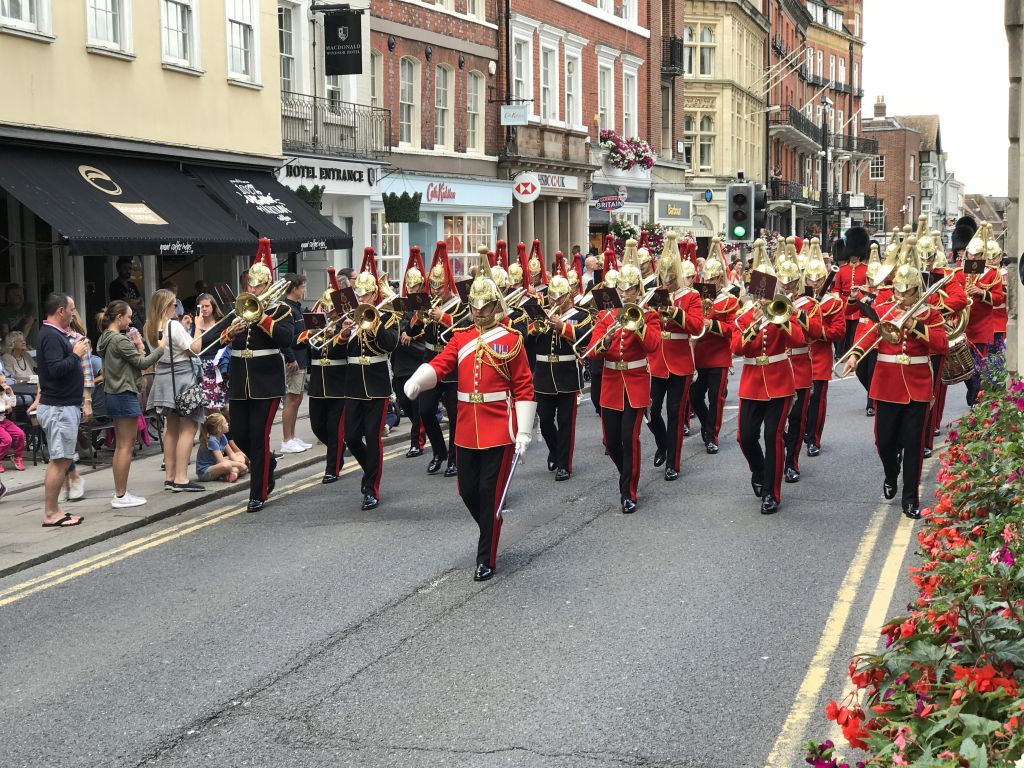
column 314, row 634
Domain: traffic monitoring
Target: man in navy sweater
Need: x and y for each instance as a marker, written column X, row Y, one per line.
column 61, row 388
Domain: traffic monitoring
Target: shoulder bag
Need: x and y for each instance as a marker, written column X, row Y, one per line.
column 191, row 398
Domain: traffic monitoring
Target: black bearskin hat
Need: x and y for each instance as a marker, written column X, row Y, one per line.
column 858, row 242
column 963, row 231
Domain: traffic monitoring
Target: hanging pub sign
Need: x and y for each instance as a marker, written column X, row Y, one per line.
column 343, row 44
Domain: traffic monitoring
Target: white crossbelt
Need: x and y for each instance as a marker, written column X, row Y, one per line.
column 799, row 351
column 903, row 360
column 669, row 335
column 254, row 352
column 765, row 359
column 327, row 363
column 482, row 397
column 620, row 365
column 368, row 359
column 557, row 358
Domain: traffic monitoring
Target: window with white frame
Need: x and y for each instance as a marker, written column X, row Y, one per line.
column 408, row 103
column 605, row 98
column 387, row 242
column 913, row 164
column 820, row 61
column 809, row 70
column 573, row 108
column 463, row 233
column 444, row 92
column 832, row 68
column 707, row 51
column 522, row 76
column 808, row 171
column 242, row 40
column 666, row 119
column 548, row 83
column 334, row 90
column 839, row 120
column 448, row 5
column 474, row 112
column 706, row 144
column 842, row 70
column 856, row 76
column 689, row 46
column 475, row 8
column 608, row 6
column 629, row 106
column 109, row 23
column 876, row 171
column 689, row 136
column 876, row 219
column 27, row 15
column 286, row 44
column 180, row 43
column 376, row 78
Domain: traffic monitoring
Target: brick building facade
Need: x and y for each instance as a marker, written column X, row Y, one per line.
column 892, row 176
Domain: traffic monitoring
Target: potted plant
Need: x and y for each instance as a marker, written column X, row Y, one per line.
column 401, row 208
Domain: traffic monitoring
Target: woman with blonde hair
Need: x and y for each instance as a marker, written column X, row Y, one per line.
column 174, row 374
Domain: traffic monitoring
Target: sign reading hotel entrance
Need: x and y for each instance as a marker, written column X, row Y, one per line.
column 514, row 114
column 609, row 203
column 526, row 188
column 343, row 44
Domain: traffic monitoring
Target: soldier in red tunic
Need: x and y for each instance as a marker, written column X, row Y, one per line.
column 672, row 362
column 830, row 312
column 902, row 385
column 496, row 409
column 623, row 339
column 985, row 291
column 852, row 274
column 766, row 390
column 712, row 355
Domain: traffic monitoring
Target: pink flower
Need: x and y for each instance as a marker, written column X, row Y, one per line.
column 1008, row 533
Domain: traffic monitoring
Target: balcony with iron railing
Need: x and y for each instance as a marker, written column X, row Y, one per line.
column 334, row 128
column 791, row 191
column 855, row 145
column 672, row 52
column 794, row 127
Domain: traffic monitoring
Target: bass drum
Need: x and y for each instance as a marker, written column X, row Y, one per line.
column 959, row 363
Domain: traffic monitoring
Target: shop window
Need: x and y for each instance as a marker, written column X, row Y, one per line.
column 109, row 24
column 408, row 104
column 285, row 39
column 443, row 93
column 474, row 105
column 463, row 234
column 179, row 33
column 387, row 242
column 243, row 39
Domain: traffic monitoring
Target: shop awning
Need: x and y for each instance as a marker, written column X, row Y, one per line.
column 271, row 210
column 122, row 206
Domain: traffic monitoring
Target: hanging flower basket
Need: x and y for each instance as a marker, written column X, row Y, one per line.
column 401, row 208
column 626, row 154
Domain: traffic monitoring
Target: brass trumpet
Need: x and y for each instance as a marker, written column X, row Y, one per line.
column 320, row 337
column 366, row 317
column 630, row 318
column 250, row 308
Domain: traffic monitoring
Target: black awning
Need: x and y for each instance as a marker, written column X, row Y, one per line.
column 271, row 210
column 121, row 206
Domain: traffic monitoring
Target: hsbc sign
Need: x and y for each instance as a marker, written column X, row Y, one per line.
column 526, row 187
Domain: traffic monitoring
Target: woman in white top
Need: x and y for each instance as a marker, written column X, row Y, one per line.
column 172, row 377
column 17, row 360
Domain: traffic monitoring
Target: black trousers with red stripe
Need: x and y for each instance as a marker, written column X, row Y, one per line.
column 899, row 437
column 364, row 424
column 327, row 418
column 707, row 398
column 765, row 465
column 447, row 392
column 817, row 409
column 796, row 426
column 622, row 439
column 557, row 415
column 669, row 436
column 483, row 473
column 251, row 421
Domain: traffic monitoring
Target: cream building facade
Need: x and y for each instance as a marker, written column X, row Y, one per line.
column 724, row 103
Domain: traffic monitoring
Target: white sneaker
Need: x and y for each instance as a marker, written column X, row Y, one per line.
column 293, row 446
column 305, row 446
column 127, row 501
column 76, row 490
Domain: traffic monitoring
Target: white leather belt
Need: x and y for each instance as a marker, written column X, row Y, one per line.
column 557, row 358
column 904, row 359
column 670, row 335
column 327, row 363
column 998, row 306
column 482, row 397
column 254, row 352
column 799, row 351
column 368, row 359
column 621, row 365
column 765, row 359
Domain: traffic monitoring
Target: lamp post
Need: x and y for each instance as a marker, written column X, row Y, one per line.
column 826, row 104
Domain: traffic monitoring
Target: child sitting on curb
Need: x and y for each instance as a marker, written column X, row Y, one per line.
column 216, row 459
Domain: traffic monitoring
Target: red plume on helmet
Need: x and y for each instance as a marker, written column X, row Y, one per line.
column 369, row 262
column 492, row 259
column 441, row 257
column 563, row 268
column 642, row 242
column 263, row 255
column 536, row 252
column 415, row 262
column 577, row 265
column 798, row 243
column 610, row 262
column 688, row 251
column 524, row 262
column 332, row 279
column 501, row 254
column 609, row 241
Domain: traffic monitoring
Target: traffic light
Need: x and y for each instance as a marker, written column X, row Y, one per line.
column 760, row 209
column 739, row 223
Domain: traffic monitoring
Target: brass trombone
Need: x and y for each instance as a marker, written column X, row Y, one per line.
column 630, row 318
column 250, row 309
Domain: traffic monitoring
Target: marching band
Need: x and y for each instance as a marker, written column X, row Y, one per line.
column 658, row 334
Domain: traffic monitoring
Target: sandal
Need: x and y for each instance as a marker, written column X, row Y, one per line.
column 67, row 521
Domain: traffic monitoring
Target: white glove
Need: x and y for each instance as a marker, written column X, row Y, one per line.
column 425, row 377
column 526, row 411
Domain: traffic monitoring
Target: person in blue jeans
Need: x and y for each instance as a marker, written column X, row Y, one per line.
column 216, row 459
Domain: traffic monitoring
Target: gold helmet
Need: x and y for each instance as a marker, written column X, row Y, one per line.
column 500, row 277
column 365, row 283
column 761, row 262
column 687, row 269
column 326, row 302
column 413, row 278
column 515, row 273
column 816, row 268
column 629, row 275
column 484, row 290
column 643, row 256
column 669, row 265
column 262, row 270
column 787, row 269
column 875, row 265
column 907, row 275
column 713, row 269
column 558, row 287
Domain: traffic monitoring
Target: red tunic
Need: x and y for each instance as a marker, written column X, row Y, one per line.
column 903, row 371
column 800, row 357
column 833, row 328
column 675, row 355
column 953, row 297
column 767, row 373
column 847, row 278
column 713, row 350
column 488, row 388
column 999, row 315
column 625, row 370
column 980, row 328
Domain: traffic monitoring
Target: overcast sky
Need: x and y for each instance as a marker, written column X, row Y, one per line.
column 946, row 57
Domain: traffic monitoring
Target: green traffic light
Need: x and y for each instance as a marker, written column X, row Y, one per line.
column 739, row 231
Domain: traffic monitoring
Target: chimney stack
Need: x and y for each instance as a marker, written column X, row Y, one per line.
column 880, row 107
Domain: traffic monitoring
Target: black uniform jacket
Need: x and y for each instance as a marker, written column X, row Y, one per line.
column 327, row 370
column 558, row 368
column 406, row 359
column 257, row 363
column 368, row 374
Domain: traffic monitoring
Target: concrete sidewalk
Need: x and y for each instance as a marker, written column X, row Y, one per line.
column 24, row 542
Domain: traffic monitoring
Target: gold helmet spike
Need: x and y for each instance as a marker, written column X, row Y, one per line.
column 515, row 273
column 922, row 226
column 787, row 268
column 816, row 268
column 629, row 274
column 500, row 277
column 876, row 272
column 484, row 290
column 761, row 262
column 669, row 263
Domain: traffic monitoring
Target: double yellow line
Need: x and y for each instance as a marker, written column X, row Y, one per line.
column 124, row 551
